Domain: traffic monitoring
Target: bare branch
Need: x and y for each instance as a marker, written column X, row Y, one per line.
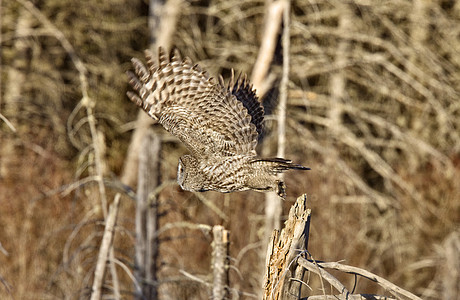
column 8, row 123
column 106, row 245
column 354, row 270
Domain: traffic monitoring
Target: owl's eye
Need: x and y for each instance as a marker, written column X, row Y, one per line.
column 180, row 169
column 181, row 173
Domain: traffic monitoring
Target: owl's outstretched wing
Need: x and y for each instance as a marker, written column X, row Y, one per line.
column 243, row 91
column 210, row 119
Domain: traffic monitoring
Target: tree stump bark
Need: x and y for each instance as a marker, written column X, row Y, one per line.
column 283, row 250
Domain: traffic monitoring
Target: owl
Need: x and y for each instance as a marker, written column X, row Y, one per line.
column 219, row 124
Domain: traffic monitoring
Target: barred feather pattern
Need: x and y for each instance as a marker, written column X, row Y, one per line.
column 219, row 124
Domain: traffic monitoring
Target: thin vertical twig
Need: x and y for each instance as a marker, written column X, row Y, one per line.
column 106, row 244
column 284, row 82
column 113, row 273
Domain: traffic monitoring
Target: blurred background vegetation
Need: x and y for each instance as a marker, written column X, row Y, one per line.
column 373, row 108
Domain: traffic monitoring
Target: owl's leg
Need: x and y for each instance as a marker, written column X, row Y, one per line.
column 280, row 189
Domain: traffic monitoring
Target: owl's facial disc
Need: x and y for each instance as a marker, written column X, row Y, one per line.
column 189, row 175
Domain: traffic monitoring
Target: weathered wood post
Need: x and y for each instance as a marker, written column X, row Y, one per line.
column 220, row 263
column 283, row 250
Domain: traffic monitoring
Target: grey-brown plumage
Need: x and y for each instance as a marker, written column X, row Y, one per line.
column 218, row 124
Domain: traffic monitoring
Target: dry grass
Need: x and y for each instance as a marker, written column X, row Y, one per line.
column 383, row 144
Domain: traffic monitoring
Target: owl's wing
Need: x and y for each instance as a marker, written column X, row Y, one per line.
column 244, row 93
column 207, row 117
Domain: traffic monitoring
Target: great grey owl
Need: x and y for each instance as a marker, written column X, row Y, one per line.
column 219, row 124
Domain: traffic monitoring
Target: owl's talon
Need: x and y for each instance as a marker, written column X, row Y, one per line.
column 281, row 189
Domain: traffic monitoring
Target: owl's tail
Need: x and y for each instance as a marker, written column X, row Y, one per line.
column 268, row 168
column 279, row 165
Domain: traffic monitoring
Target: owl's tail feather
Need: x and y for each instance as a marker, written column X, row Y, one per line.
column 279, row 165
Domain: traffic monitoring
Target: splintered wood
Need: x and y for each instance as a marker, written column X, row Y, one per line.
column 283, row 274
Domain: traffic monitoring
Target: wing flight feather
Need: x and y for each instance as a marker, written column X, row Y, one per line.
column 209, row 118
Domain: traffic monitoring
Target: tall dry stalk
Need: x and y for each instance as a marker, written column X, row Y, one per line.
column 106, row 246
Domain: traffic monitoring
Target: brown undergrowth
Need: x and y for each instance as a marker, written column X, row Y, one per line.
column 372, row 108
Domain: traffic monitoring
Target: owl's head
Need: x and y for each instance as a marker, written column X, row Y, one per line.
column 189, row 176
